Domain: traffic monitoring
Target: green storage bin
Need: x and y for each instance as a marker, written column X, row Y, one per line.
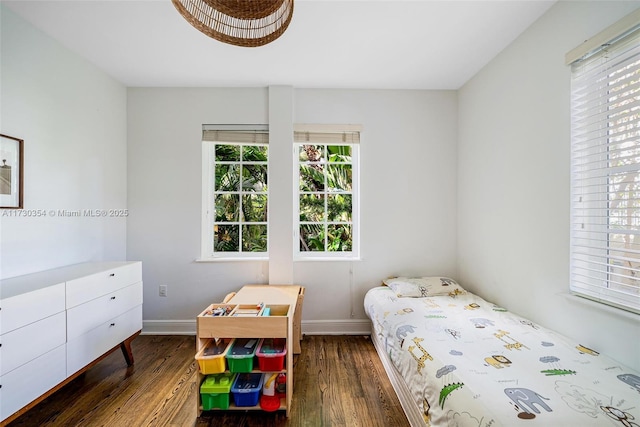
column 214, row 391
column 241, row 354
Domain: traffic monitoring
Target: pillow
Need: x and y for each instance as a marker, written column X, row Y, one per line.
column 417, row 287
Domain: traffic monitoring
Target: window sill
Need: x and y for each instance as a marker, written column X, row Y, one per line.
column 608, row 308
column 325, row 259
column 230, row 259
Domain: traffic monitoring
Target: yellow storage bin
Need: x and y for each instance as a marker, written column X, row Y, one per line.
column 211, row 357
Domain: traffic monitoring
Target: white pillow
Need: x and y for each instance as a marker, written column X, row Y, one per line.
column 417, row 287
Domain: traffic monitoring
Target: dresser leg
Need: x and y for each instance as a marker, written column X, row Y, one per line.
column 125, row 346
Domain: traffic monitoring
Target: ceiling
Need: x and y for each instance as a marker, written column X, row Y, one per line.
column 420, row 44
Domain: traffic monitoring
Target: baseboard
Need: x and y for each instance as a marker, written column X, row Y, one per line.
column 310, row 327
column 337, row 327
column 169, row 327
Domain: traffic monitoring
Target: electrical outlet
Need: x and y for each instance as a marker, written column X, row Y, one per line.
column 162, row 291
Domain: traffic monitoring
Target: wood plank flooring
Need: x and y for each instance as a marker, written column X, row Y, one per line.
column 338, row 381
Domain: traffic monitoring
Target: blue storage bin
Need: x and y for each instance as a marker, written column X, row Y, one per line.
column 246, row 389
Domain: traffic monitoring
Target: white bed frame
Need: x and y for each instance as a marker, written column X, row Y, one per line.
column 411, row 409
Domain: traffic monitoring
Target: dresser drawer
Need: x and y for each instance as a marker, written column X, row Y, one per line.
column 23, row 309
column 29, row 381
column 86, row 348
column 95, row 285
column 85, row 317
column 29, row 342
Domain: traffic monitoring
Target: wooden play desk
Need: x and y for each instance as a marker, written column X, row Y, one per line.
column 292, row 295
column 285, row 303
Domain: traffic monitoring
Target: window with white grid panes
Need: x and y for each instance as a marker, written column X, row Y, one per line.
column 238, row 208
column 326, row 200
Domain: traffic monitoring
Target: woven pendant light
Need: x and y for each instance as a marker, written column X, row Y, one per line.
column 248, row 23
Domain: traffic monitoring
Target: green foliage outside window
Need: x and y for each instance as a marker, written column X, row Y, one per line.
column 240, row 198
column 326, row 198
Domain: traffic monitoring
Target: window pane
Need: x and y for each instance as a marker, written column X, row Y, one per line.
column 624, row 186
column 312, row 177
column 311, row 153
column 339, row 207
column 312, row 238
column 239, row 199
column 254, row 178
column 339, row 238
column 312, row 207
column 227, row 153
column 339, row 153
column 327, row 201
column 254, row 207
column 624, row 261
column 225, row 238
column 227, row 177
column 227, row 207
column 339, row 177
column 254, row 153
column 254, row 238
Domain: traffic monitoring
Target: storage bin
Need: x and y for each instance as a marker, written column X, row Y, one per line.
column 271, row 352
column 241, row 353
column 214, row 391
column 246, row 389
column 211, row 357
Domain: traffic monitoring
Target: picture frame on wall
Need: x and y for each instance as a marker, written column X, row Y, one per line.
column 11, row 172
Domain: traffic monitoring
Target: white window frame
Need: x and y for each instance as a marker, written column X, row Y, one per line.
column 208, row 192
column 354, row 254
column 604, row 148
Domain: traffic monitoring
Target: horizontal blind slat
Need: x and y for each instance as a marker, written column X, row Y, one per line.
column 257, row 137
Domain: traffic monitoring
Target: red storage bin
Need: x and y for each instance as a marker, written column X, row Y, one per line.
column 271, row 352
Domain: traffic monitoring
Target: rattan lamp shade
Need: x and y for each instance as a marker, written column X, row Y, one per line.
column 248, row 23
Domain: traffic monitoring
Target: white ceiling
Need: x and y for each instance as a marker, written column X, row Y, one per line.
column 416, row 44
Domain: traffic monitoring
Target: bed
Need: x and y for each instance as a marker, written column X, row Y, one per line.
column 455, row 359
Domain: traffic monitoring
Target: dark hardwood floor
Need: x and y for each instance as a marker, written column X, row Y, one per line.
column 338, row 381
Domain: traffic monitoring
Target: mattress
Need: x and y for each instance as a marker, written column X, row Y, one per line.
column 468, row 362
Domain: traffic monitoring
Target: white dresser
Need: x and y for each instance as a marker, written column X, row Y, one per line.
column 55, row 324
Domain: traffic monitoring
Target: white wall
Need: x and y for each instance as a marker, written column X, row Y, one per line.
column 407, row 195
column 408, row 161
column 513, row 182
column 164, row 196
column 72, row 118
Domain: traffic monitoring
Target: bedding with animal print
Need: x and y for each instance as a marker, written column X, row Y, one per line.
column 469, row 362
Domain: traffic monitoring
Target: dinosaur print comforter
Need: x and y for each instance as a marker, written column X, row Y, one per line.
column 468, row 362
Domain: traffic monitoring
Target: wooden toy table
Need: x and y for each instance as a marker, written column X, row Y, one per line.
column 292, row 295
column 285, row 305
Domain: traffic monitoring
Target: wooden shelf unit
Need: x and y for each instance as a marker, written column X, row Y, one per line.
column 279, row 324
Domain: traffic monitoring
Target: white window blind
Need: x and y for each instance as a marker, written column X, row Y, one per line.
column 327, row 134
column 605, row 173
column 252, row 134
